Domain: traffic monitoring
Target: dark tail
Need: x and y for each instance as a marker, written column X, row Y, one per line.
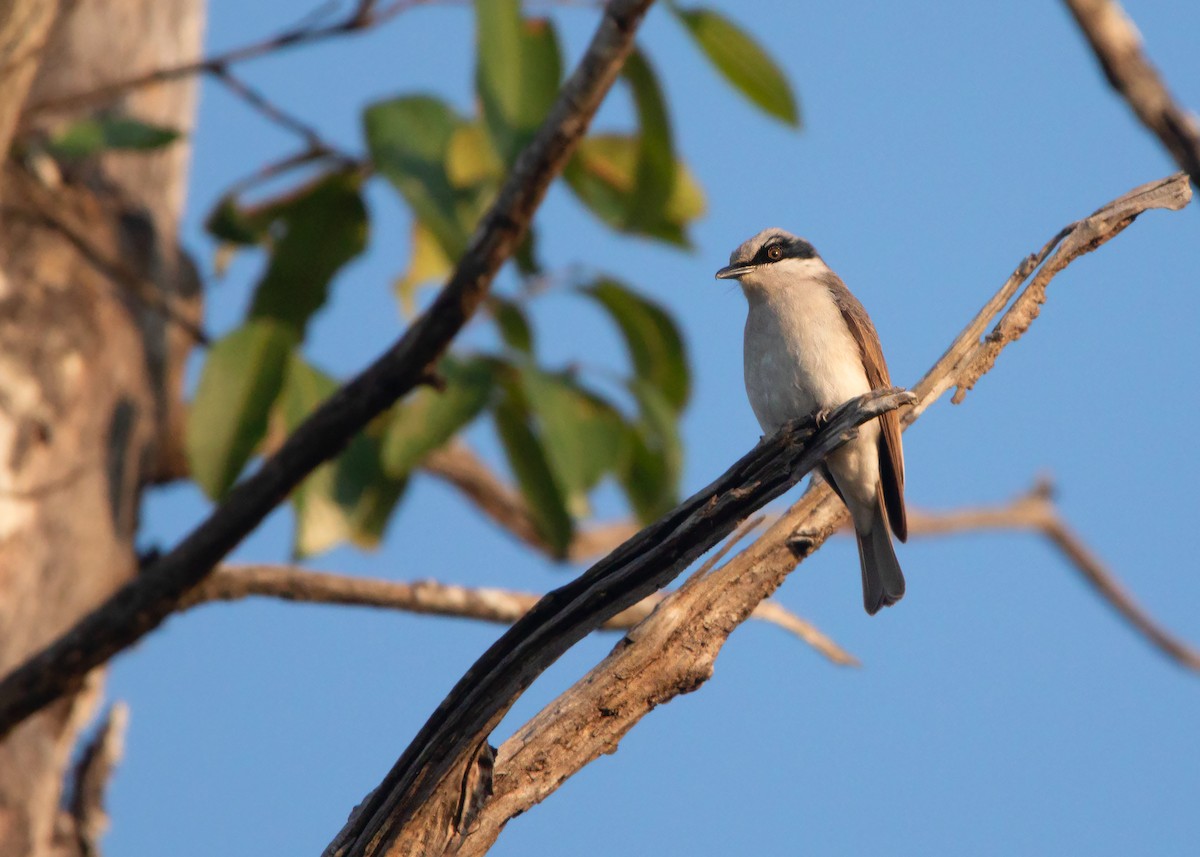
column 883, row 581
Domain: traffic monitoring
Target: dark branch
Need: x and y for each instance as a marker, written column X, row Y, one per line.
column 141, row 605
column 642, row 565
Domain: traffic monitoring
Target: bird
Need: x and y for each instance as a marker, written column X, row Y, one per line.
column 809, row 347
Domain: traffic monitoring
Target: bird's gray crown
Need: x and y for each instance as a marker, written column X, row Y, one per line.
column 759, row 249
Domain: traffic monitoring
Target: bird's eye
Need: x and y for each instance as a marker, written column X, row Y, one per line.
column 774, row 252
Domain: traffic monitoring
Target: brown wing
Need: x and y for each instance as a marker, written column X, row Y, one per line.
column 891, row 454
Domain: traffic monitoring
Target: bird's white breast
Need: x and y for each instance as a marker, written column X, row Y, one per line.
column 799, row 355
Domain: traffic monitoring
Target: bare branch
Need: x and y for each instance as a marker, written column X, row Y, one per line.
column 435, row 760
column 317, row 145
column 1035, row 511
column 233, row 582
column 673, row 651
column 96, row 764
column 457, row 465
column 969, row 357
column 1118, row 47
column 141, row 605
column 364, row 16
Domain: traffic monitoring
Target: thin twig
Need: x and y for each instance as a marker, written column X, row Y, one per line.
column 271, row 111
column 1118, row 46
column 141, row 605
column 1035, row 511
column 365, row 16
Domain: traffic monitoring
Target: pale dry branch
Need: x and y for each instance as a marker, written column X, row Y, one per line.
column 236, row 581
column 424, row 786
column 674, row 650
column 970, row 357
column 140, row 606
column 458, row 466
column 1035, row 511
column 1118, row 46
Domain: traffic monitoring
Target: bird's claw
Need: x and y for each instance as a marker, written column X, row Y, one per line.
column 822, row 416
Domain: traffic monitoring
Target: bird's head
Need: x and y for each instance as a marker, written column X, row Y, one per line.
column 772, row 257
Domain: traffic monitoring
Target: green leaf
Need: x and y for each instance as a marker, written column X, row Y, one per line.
column 228, row 416
column 512, row 323
column 348, row 499
column 429, row 418
column 582, row 435
column 471, row 160
column 652, row 467
column 742, row 62
column 90, row 136
column 427, row 262
column 655, row 345
column 517, row 73
column 409, row 138
column 654, row 176
column 322, row 230
column 527, row 458
column 603, row 175
column 231, row 222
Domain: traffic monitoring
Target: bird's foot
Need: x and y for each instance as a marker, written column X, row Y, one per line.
column 822, row 416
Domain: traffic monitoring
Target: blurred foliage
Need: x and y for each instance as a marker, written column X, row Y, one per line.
column 87, row 137
column 561, row 432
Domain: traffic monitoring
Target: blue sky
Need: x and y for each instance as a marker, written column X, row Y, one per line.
column 1001, row 708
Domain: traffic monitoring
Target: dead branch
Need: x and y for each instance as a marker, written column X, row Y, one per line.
column 364, row 16
column 437, row 759
column 233, row 582
column 1035, row 511
column 1118, row 46
column 141, row 605
column 317, row 145
column 673, row 651
column 970, row 357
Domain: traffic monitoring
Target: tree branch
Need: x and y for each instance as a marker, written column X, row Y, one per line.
column 453, row 736
column 317, row 146
column 364, row 16
column 140, row 606
column 1036, row 511
column 233, row 582
column 1118, row 46
column 673, row 651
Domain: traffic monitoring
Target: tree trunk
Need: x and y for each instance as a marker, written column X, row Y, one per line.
column 91, row 361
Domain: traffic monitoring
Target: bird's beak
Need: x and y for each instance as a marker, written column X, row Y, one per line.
column 733, row 272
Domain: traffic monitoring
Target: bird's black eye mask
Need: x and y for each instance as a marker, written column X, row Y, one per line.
column 778, row 249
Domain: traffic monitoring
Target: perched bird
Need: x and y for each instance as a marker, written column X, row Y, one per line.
column 810, row 347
